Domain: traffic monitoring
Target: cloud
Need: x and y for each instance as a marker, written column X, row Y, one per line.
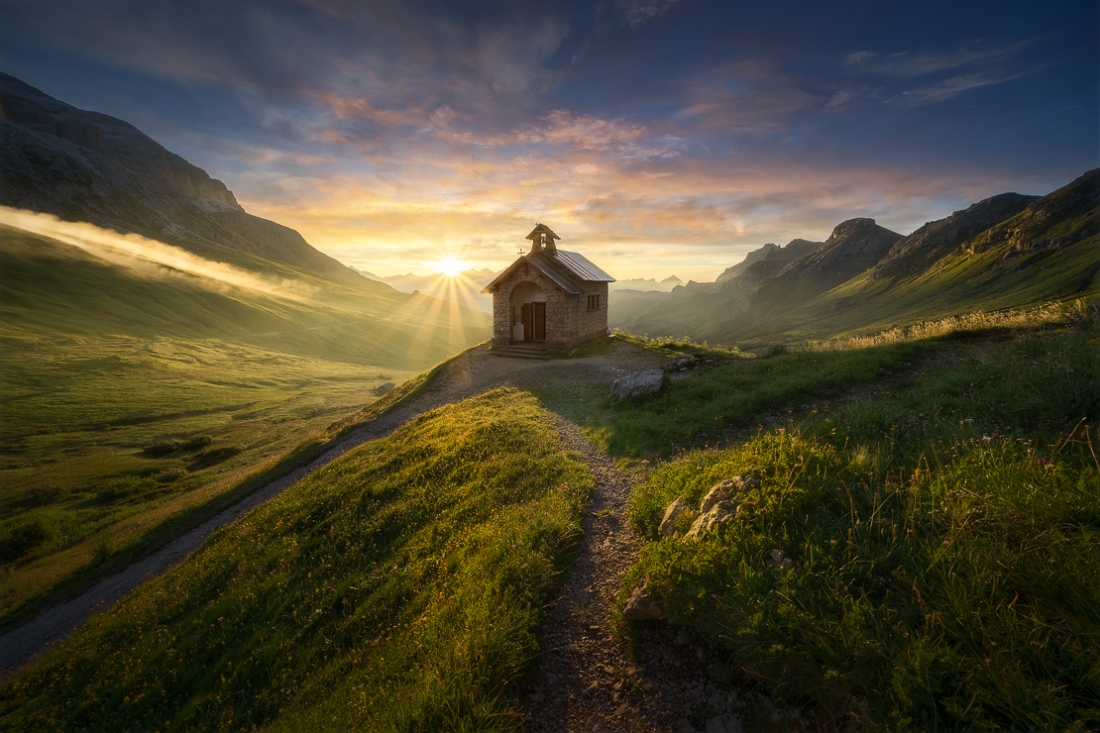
column 907, row 65
column 584, row 132
column 743, row 97
column 839, row 99
column 636, row 12
column 949, row 88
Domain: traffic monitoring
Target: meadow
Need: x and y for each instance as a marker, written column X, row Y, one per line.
column 398, row 588
column 138, row 401
column 944, row 530
column 112, row 447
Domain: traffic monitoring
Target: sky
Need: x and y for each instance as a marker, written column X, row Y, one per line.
column 656, row 137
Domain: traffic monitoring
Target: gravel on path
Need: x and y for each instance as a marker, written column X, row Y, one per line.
column 590, row 680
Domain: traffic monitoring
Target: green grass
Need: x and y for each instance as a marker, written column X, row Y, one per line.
column 398, row 588
column 723, row 398
column 946, row 535
column 85, row 428
column 100, row 364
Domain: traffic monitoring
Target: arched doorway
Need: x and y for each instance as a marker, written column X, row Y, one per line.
column 528, row 313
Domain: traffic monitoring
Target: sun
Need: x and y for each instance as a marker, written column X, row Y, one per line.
column 449, row 267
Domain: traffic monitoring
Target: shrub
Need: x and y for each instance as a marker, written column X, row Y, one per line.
column 23, row 539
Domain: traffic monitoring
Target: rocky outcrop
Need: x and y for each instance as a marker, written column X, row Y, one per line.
column 720, row 504
column 673, row 513
column 638, row 384
column 920, row 250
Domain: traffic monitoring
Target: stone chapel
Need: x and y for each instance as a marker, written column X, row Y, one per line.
column 548, row 300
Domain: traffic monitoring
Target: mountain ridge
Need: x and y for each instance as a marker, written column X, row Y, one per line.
column 88, row 166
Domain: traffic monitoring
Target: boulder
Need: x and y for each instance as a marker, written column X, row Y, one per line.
column 638, row 384
column 727, row 490
column 682, row 363
column 641, row 607
column 674, row 511
column 713, row 518
column 383, row 388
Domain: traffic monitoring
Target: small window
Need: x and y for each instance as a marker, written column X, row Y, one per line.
column 593, row 302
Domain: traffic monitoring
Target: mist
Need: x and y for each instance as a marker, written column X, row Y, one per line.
column 150, row 257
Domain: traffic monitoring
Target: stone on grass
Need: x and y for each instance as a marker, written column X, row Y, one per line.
column 674, row 511
column 726, row 490
column 714, row 518
column 638, row 384
column 383, row 389
column 641, row 607
column 682, row 362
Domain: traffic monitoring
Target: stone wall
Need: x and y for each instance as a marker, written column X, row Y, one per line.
column 568, row 320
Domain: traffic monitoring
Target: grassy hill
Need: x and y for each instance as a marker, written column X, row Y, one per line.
column 106, row 366
column 399, row 588
column 934, row 503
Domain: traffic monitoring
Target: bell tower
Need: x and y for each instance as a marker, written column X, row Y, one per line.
column 542, row 240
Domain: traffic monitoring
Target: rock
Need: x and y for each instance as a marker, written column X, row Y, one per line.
column 718, row 515
column 727, row 723
column 641, row 608
column 726, row 490
column 383, row 389
column 683, row 725
column 778, row 559
column 682, row 362
column 672, row 513
column 638, row 384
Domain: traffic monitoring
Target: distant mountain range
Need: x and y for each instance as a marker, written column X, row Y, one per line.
column 1006, row 251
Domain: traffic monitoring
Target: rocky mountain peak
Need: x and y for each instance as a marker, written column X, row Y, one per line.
column 852, row 226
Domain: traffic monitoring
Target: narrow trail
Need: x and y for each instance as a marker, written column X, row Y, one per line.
column 469, row 374
column 590, row 679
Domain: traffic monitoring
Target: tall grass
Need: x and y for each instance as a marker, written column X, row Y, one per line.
column 946, row 542
column 399, row 588
column 1048, row 314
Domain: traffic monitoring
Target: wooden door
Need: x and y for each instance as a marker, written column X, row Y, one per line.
column 528, row 323
column 540, row 321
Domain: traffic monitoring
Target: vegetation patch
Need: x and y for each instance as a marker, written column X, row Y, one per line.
column 398, row 588
column 926, row 559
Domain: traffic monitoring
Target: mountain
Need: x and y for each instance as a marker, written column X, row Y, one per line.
column 1006, row 251
column 644, row 284
column 463, row 288
column 250, row 281
column 87, row 166
column 755, row 256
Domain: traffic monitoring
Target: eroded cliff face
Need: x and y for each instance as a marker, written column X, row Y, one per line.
column 86, row 166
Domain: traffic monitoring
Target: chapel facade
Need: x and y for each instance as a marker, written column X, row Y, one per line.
column 548, row 299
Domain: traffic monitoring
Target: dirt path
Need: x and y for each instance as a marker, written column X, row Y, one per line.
column 591, row 682
column 467, row 375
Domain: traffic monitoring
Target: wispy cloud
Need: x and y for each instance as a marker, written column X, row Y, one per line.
column 949, row 88
column 743, row 97
column 907, row 65
column 636, row 12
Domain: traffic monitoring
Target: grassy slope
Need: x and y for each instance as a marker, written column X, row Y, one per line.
column 98, row 363
column 399, row 588
column 946, row 535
